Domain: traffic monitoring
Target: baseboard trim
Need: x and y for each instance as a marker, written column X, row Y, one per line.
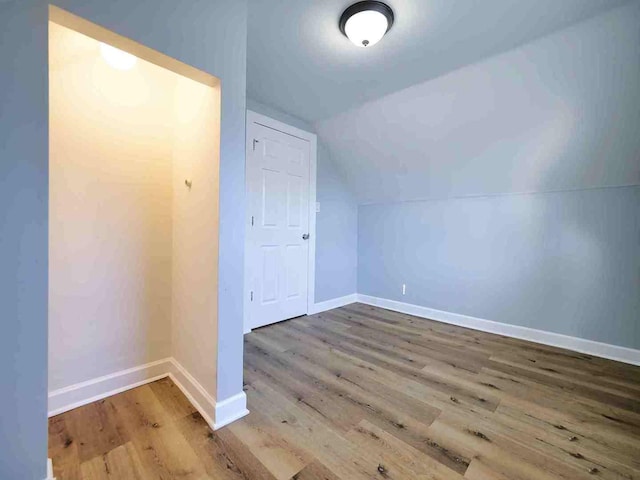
column 216, row 414
column 230, row 410
column 326, row 305
column 590, row 347
column 49, row 470
column 194, row 391
column 83, row 393
column 333, row 303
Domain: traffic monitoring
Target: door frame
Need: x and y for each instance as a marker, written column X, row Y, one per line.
column 254, row 118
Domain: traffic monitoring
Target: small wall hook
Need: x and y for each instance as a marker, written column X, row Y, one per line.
column 188, row 183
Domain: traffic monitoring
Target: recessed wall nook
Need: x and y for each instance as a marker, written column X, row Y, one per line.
column 133, row 215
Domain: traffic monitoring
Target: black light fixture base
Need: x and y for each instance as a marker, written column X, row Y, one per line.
column 366, row 5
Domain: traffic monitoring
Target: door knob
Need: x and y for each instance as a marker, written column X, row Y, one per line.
column 305, row 236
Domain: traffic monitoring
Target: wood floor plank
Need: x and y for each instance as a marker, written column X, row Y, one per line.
column 396, row 363
column 165, row 453
column 315, row 471
column 309, row 432
column 363, row 393
column 92, row 430
column 136, row 412
column 121, row 463
column 280, row 457
column 216, row 460
column 64, row 449
column 396, row 457
column 173, row 401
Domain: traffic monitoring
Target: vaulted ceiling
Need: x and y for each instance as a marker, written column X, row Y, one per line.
column 299, row 62
column 560, row 113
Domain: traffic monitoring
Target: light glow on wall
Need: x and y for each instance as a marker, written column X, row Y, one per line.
column 118, row 59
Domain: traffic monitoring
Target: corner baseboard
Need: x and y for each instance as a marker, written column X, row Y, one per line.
column 216, row 414
column 79, row 394
column 194, row 391
column 49, row 470
column 590, row 347
column 230, row 410
column 333, row 303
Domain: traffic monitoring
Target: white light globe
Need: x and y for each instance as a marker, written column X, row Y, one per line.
column 366, row 28
column 117, row 58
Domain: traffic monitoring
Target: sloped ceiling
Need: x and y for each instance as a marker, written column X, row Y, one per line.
column 300, row 63
column 559, row 113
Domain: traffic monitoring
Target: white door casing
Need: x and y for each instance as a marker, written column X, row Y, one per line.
column 279, row 265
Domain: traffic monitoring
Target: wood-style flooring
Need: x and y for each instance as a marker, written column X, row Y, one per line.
column 364, row 393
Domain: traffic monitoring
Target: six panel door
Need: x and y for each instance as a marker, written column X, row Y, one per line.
column 278, row 179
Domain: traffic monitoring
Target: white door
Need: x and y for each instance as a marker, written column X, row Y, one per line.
column 278, row 236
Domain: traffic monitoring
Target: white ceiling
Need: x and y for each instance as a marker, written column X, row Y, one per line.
column 299, row 62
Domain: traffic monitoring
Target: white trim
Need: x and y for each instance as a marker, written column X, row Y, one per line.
column 333, row 303
column 216, row 414
column 194, row 391
column 79, row 394
column 263, row 120
column 49, row 470
column 590, row 347
column 230, row 410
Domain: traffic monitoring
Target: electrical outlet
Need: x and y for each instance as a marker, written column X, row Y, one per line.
column 404, row 289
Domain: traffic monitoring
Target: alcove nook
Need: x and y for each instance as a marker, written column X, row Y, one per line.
column 134, row 142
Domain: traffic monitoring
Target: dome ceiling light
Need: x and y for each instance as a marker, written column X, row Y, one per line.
column 365, row 23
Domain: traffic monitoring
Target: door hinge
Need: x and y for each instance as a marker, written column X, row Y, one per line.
column 252, row 296
column 252, row 220
column 254, row 144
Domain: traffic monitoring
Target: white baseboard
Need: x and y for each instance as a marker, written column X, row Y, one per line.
column 49, row 470
column 230, row 410
column 216, row 414
column 79, row 394
column 194, row 391
column 590, row 347
column 326, row 305
column 333, row 303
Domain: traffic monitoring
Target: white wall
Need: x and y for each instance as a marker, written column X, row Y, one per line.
column 110, row 236
column 196, row 146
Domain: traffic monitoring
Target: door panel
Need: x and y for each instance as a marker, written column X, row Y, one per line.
column 294, row 255
column 270, row 274
column 271, row 198
column 295, row 201
column 278, row 178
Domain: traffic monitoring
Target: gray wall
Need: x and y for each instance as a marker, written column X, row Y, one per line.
column 564, row 262
column 336, row 224
column 208, row 34
column 508, row 190
column 23, row 239
column 336, row 231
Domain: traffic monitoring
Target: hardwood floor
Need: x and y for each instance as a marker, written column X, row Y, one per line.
column 365, row 393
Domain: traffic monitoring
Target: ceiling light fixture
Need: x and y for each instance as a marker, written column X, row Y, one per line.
column 365, row 23
column 117, row 58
